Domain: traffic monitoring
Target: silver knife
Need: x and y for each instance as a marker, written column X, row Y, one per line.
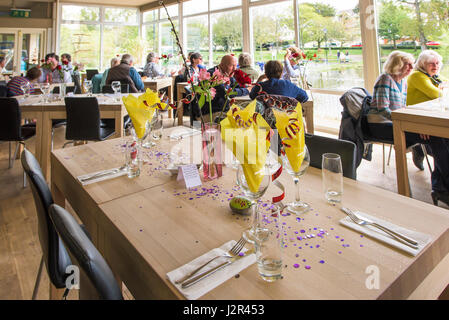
column 103, row 173
column 203, row 275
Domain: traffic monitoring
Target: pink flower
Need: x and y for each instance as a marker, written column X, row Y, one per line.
column 204, row 75
column 219, row 77
column 213, row 92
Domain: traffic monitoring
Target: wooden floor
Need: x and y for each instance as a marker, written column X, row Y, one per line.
column 20, row 251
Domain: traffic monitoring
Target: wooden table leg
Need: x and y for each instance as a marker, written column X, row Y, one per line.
column 46, row 144
column 170, row 95
column 309, row 119
column 180, row 113
column 38, row 139
column 119, row 123
column 401, row 160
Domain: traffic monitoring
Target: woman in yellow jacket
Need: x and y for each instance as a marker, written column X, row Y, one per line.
column 425, row 84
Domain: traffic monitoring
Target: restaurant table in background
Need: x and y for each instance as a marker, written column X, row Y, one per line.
column 44, row 113
column 429, row 122
column 148, row 226
column 306, row 106
column 158, row 84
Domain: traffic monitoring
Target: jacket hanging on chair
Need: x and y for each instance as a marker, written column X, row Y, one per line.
column 356, row 103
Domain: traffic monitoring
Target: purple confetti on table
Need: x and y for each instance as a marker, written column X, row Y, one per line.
column 308, row 267
column 296, row 265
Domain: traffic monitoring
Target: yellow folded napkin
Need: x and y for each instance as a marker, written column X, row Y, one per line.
column 141, row 109
column 291, row 131
column 246, row 134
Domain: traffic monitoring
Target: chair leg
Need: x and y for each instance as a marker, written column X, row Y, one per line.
column 389, row 155
column 24, row 180
column 423, row 147
column 9, row 159
column 383, row 158
column 11, row 164
column 38, row 279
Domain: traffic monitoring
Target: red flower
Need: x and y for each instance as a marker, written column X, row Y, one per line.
column 295, row 55
column 242, row 78
column 164, row 56
column 42, row 60
column 304, row 55
column 59, row 67
column 314, row 55
column 65, row 62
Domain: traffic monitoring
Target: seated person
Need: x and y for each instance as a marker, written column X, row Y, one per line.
column 66, row 60
column 245, row 64
column 424, row 83
column 276, row 86
column 194, row 66
column 227, row 68
column 15, row 84
column 390, row 93
column 53, row 71
column 291, row 67
column 2, row 69
column 126, row 74
column 152, row 69
column 114, row 62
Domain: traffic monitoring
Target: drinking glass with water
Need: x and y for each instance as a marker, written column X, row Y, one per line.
column 117, row 87
column 332, row 173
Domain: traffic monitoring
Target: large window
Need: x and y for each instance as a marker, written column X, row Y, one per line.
column 226, row 34
column 94, row 35
column 407, row 27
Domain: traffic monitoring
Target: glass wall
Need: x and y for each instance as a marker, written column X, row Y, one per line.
column 407, row 27
column 93, row 35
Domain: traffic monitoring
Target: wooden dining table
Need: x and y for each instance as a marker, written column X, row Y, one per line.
column 33, row 107
column 148, row 226
column 161, row 83
column 429, row 122
column 307, row 107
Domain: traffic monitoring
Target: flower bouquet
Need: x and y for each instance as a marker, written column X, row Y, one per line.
column 302, row 59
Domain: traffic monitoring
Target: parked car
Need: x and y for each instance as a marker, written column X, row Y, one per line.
column 432, row 44
column 408, row 44
column 357, row 45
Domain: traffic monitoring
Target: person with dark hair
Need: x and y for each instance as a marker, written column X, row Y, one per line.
column 277, row 86
column 66, row 60
column 16, row 84
column 195, row 66
column 53, row 71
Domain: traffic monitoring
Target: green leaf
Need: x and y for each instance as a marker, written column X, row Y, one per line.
column 202, row 100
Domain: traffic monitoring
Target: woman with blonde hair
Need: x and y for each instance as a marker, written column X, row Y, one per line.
column 390, row 93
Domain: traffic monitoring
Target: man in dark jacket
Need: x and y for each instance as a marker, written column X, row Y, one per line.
column 126, row 74
column 227, row 67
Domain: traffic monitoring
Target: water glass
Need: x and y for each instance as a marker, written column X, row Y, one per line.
column 133, row 159
column 26, row 90
column 269, row 244
column 88, row 87
column 332, row 173
column 117, row 87
column 45, row 88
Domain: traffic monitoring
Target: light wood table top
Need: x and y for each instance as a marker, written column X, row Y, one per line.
column 152, row 225
column 44, row 113
column 433, row 123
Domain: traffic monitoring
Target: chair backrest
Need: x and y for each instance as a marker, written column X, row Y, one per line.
column 90, row 73
column 10, row 129
column 55, row 255
column 4, row 92
column 108, row 88
column 86, row 255
column 347, row 150
column 83, row 119
column 265, row 104
column 68, row 89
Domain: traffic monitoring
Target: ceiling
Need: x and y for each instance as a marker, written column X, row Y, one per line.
column 26, row 3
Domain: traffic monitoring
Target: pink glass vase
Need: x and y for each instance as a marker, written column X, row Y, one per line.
column 211, row 142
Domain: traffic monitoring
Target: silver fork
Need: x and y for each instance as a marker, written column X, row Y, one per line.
column 400, row 237
column 104, row 173
column 235, row 250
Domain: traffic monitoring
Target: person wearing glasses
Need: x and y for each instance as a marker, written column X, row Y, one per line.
column 195, row 66
column 152, row 69
column 391, row 93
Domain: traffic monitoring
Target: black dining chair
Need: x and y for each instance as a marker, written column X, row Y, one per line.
column 108, row 88
column 85, row 254
column 83, row 120
column 54, row 254
column 11, row 128
column 90, row 73
column 4, row 92
column 347, row 150
column 69, row 89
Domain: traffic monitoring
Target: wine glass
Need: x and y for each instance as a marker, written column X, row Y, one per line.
column 251, row 233
column 297, row 207
column 155, row 130
column 45, row 88
column 26, row 90
column 117, row 87
column 88, row 87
